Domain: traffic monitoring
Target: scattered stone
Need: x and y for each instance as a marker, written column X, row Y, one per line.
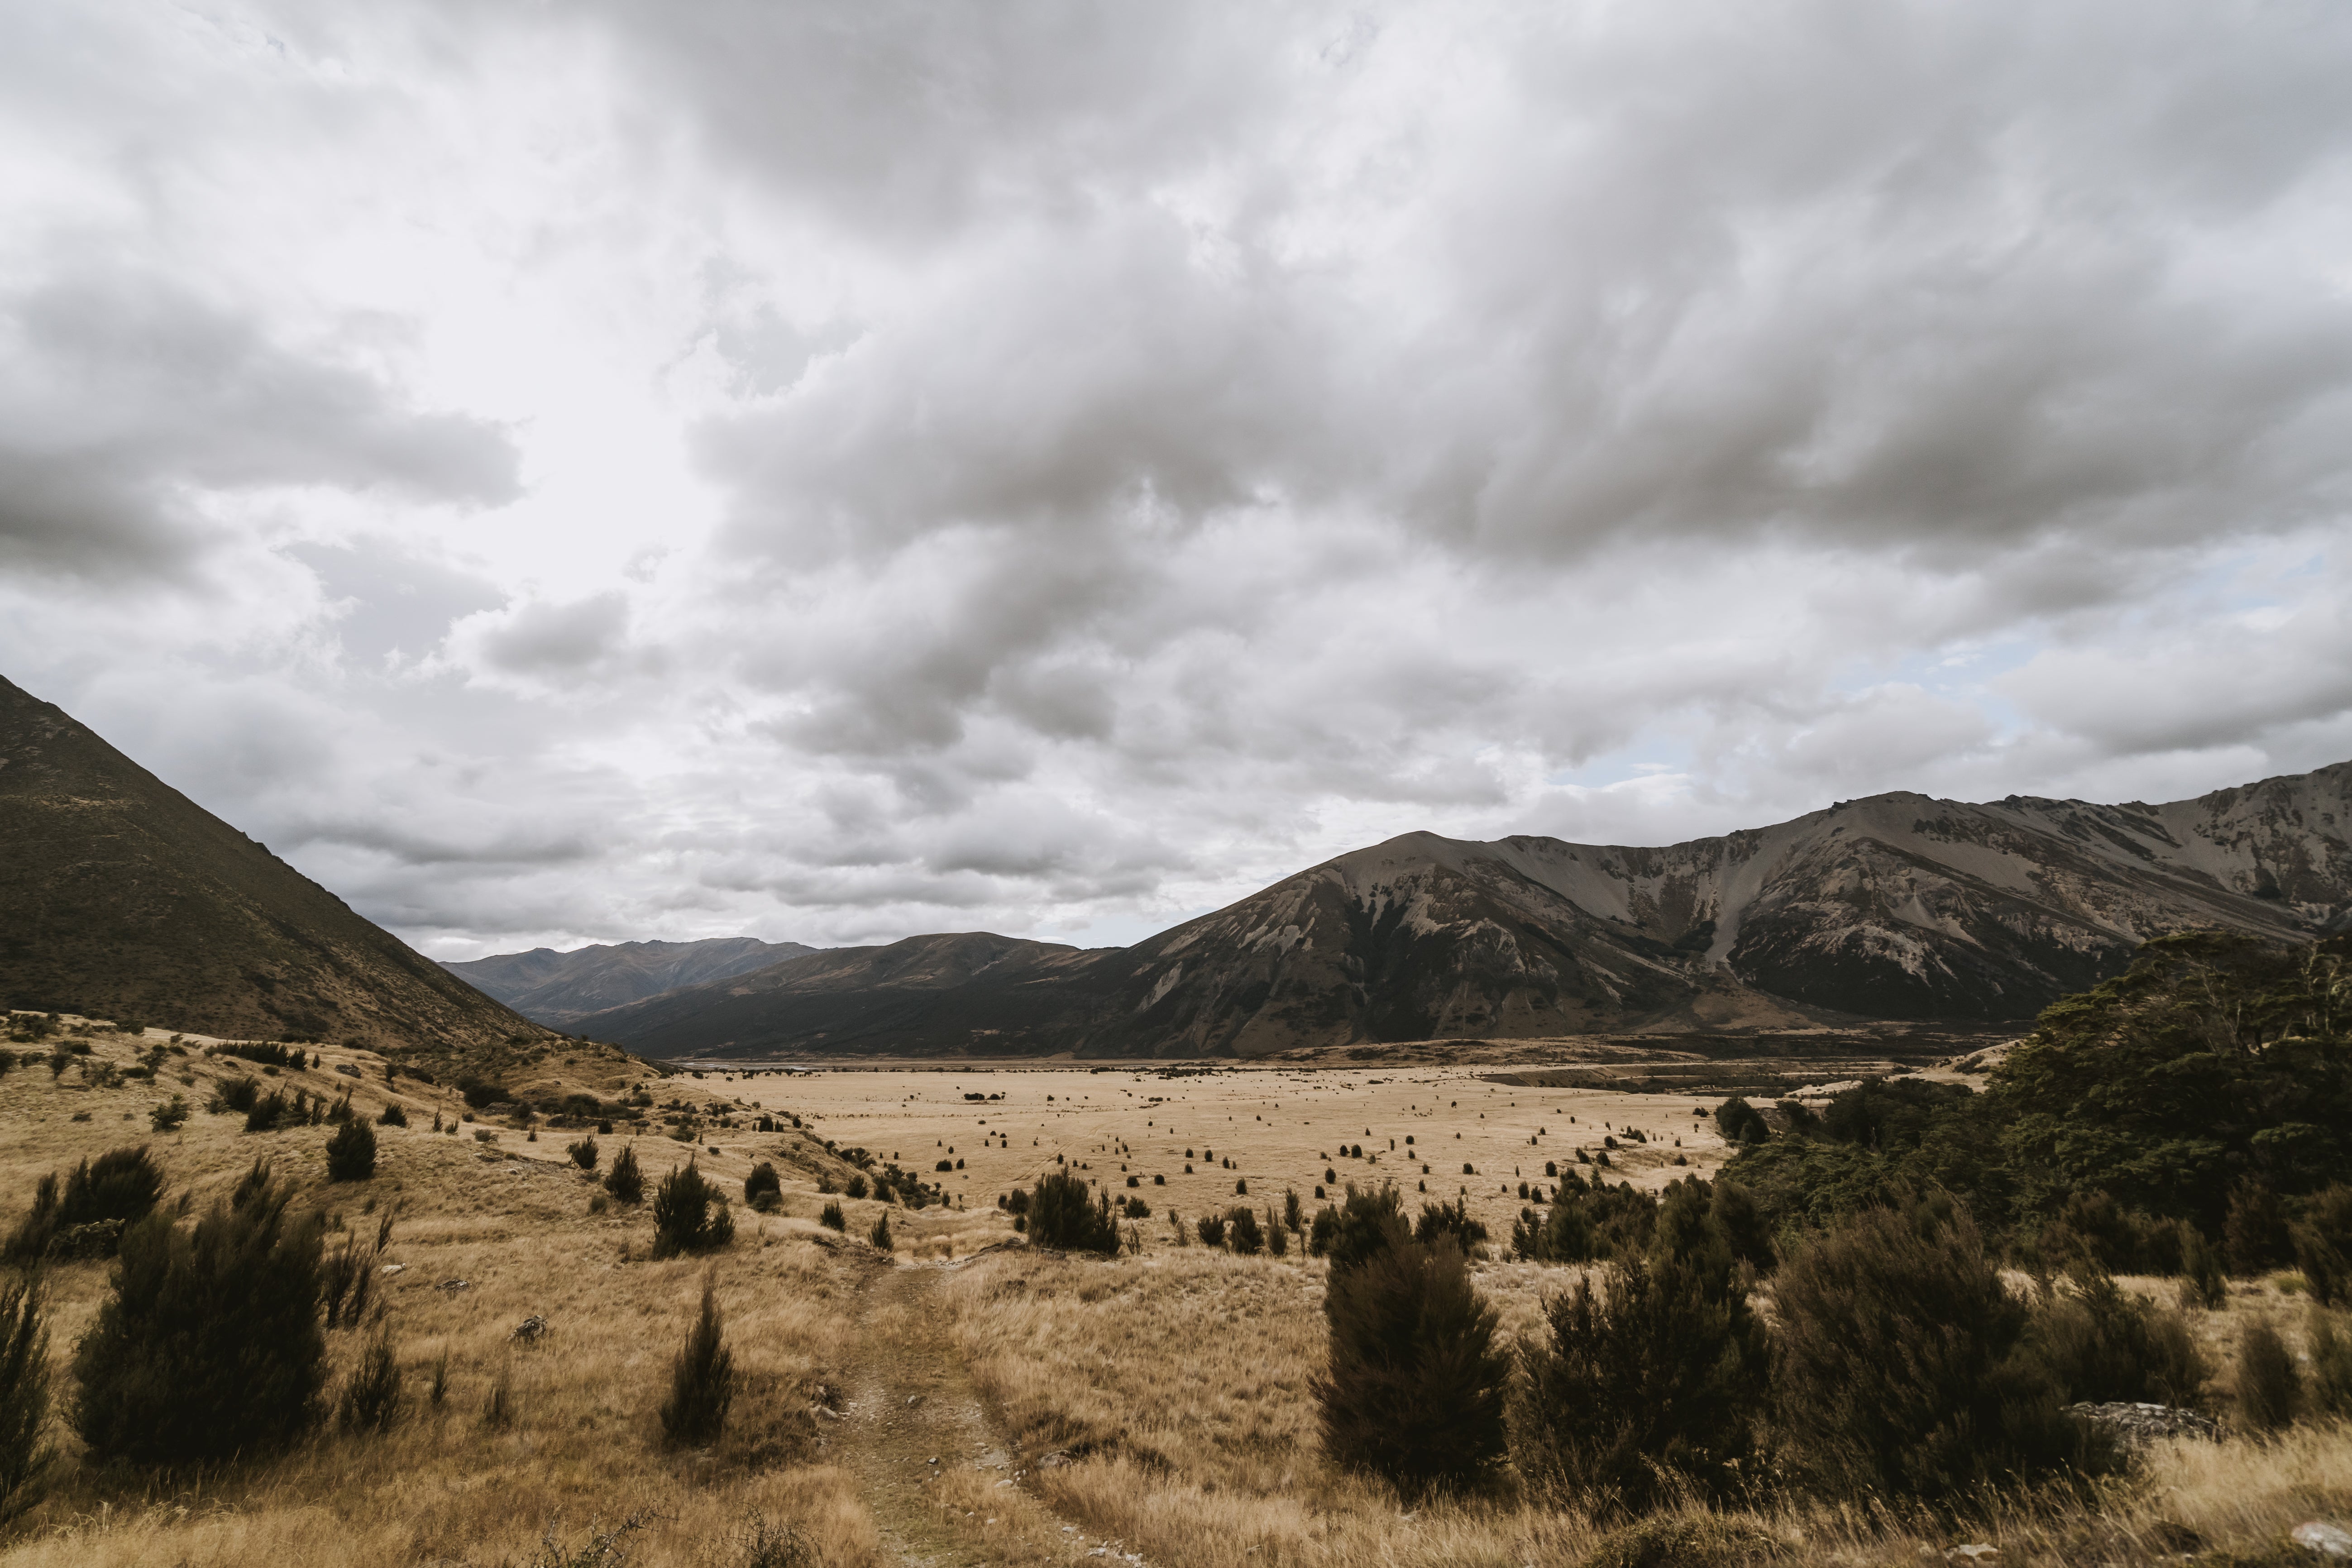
column 1974, row 1551
column 2318, row 1535
column 531, row 1331
column 914, row 1399
column 389, row 1270
column 1054, row 1460
column 2135, row 1425
column 454, row 1285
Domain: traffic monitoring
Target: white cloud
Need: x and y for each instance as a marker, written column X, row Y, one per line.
column 835, row 471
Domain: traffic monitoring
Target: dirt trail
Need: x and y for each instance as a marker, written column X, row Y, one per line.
column 910, row 1403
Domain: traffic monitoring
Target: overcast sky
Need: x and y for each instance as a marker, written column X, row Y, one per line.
column 581, row 472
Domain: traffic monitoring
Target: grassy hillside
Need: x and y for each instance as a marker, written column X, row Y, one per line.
column 120, row 898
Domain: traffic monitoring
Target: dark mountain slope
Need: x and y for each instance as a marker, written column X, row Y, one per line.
column 1897, row 907
column 120, row 897
column 556, row 988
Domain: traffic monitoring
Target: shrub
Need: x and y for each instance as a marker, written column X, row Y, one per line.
column 1242, row 1229
column 171, row 1115
column 351, row 1152
column 1449, row 1219
column 1366, row 1225
column 371, row 1395
column 2269, row 1388
column 1901, row 1369
column 2331, row 1365
column 1740, row 1122
column 762, row 1189
column 1062, row 1214
column 1684, row 1541
column 237, row 1095
column 1211, row 1229
column 2102, row 1344
column 689, row 1214
column 584, row 1153
column 268, row 1112
column 394, row 1114
column 624, row 1181
column 1415, row 1388
column 701, row 1380
column 24, row 1396
column 1324, row 1229
column 2254, row 1234
column 880, row 1235
column 832, row 1218
column 1655, row 1385
column 480, row 1093
column 2321, row 1238
column 2203, row 1282
column 209, row 1343
column 855, row 1186
column 99, row 1199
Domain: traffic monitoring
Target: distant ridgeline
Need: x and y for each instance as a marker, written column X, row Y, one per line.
column 2201, row 1096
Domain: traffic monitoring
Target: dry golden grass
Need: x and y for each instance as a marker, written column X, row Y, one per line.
column 1169, row 1390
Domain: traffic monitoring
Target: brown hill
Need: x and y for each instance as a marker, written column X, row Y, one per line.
column 557, row 988
column 120, row 898
column 1897, row 907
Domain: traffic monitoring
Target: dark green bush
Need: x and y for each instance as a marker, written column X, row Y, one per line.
column 689, row 1214
column 1211, row 1229
column 1655, row 1386
column 2100, row 1343
column 1740, row 1122
column 1902, row 1369
column 763, row 1189
column 2204, row 1282
column 1415, row 1388
column 1242, row 1230
column 209, row 1344
column 394, row 1114
column 1449, row 1219
column 1589, row 1222
column 24, row 1396
column 2322, row 1238
column 832, row 1218
column 624, row 1181
column 1365, row 1224
column 584, row 1153
column 2268, row 1385
column 880, row 1235
column 1062, row 1214
column 269, row 1112
column 701, row 1380
column 100, row 1199
column 351, row 1152
column 2331, row 1365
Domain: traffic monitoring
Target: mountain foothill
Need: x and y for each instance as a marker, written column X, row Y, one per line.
column 120, row 897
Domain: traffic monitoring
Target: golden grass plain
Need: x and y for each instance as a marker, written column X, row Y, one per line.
column 969, row 1400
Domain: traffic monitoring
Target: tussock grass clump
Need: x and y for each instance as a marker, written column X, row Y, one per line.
column 701, row 1379
column 24, row 1396
column 1416, row 1383
column 373, row 1393
column 209, row 1343
column 2321, row 1239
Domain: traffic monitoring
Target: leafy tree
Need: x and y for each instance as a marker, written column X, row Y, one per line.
column 1740, row 1122
column 209, row 1343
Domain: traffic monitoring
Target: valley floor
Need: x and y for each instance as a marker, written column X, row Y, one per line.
column 965, row 1400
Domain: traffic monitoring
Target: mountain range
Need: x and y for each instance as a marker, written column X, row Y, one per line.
column 559, row 988
column 121, row 899
column 1899, row 906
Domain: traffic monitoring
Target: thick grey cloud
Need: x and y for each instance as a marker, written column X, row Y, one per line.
column 839, row 471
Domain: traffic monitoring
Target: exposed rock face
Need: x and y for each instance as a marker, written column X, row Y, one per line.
column 1897, row 907
column 120, row 897
column 555, row 988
